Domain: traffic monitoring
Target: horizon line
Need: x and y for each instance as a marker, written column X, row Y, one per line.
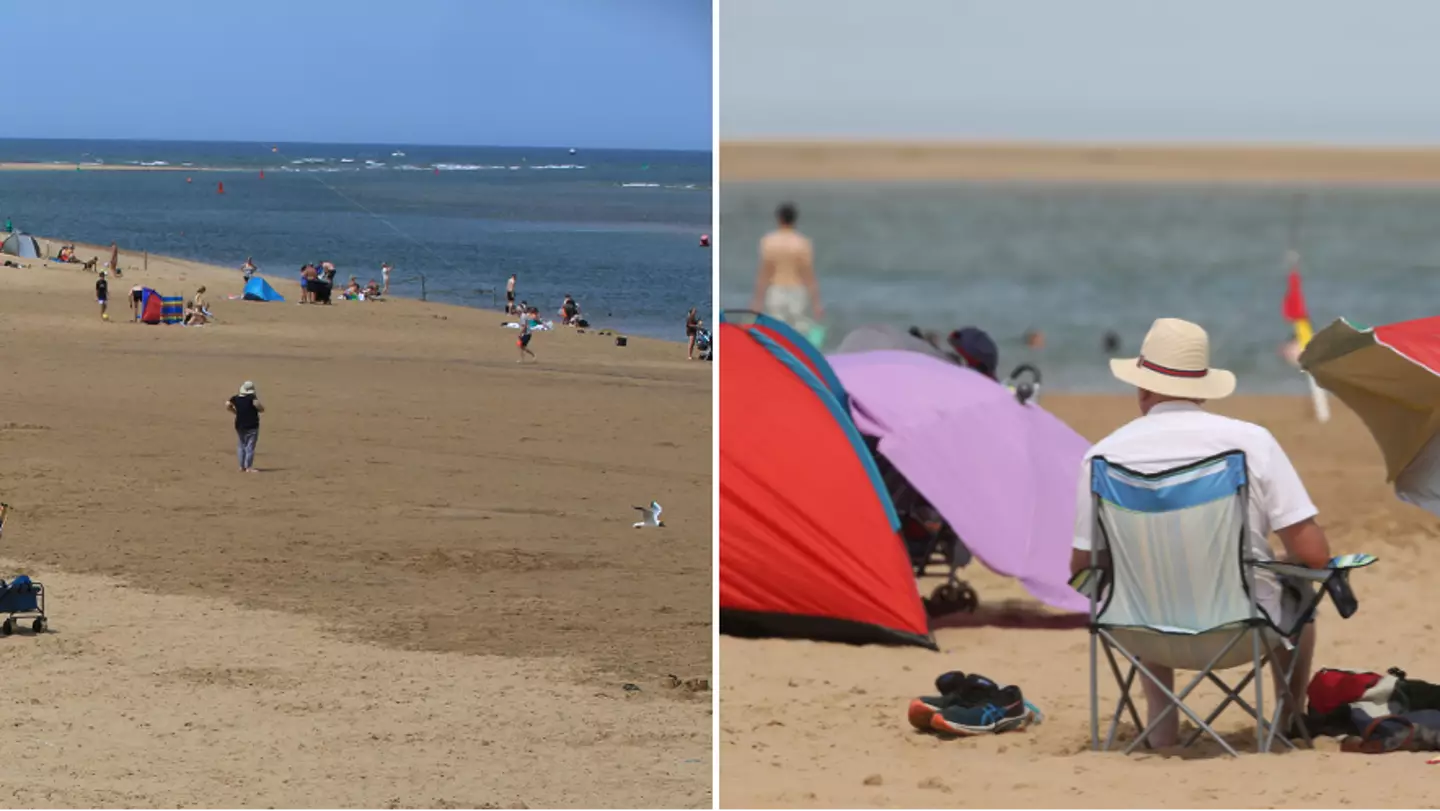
column 361, row 143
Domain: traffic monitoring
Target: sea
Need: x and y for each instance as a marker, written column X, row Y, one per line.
column 1075, row 261
column 619, row 230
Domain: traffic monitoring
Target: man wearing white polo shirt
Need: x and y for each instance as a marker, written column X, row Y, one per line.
column 1174, row 379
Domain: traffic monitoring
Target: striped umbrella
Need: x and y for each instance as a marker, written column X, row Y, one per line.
column 1390, row 377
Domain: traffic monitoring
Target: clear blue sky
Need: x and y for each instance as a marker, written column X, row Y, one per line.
column 584, row 73
column 1342, row 71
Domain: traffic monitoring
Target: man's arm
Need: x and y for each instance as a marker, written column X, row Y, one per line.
column 229, row 406
column 1306, row 544
column 259, row 407
column 1291, row 511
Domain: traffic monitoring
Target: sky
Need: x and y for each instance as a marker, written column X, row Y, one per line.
column 581, row 73
column 1299, row 71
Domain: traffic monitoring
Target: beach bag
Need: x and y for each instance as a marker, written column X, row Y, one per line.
column 1330, row 689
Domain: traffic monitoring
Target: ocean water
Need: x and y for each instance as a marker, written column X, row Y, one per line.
column 1075, row 261
column 619, row 230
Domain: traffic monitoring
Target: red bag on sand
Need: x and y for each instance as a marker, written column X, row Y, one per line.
column 1330, row 689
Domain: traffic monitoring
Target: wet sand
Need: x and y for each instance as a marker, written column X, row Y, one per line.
column 431, row 595
column 817, row 725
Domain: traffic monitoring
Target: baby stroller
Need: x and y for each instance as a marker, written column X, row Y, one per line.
column 929, row 541
column 929, row 538
column 704, row 346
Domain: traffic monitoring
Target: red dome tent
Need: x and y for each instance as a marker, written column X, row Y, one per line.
column 808, row 536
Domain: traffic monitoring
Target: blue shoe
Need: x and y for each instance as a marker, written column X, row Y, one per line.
column 1005, row 710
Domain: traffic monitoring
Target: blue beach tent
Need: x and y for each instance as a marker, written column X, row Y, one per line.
column 257, row 289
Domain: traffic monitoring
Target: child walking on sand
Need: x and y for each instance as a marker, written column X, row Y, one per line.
column 524, row 341
column 102, row 295
column 247, row 410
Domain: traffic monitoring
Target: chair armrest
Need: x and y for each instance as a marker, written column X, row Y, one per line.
column 1088, row 581
column 1339, row 563
column 1334, row 578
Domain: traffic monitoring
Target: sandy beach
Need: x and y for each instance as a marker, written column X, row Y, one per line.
column 430, row 596
column 821, row 725
column 1055, row 163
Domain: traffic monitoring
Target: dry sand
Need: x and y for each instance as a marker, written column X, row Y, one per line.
column 1111, row 163
column 823, row 725
column 432, row 594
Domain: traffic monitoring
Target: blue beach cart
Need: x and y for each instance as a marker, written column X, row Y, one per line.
column 20, row 598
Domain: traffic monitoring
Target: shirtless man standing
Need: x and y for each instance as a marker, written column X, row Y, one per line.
column 785, row 286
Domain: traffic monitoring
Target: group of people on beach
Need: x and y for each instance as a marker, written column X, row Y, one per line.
column 317, row 281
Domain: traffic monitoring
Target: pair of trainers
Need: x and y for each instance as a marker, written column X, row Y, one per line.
column 971, row 705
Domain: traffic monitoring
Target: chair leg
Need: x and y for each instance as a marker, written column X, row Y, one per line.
column 1177, row 701
column 1260, row 741
column 1094, row 693
column 1126, row 700
column 1231, row 695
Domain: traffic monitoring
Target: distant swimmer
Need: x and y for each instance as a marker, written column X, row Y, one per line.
column 1035, row 339
column 1111, row 342
column 785, row 285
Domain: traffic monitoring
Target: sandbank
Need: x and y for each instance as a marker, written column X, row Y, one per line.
column 1087, row 163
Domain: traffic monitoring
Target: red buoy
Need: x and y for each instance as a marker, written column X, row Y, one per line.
column 262, row 174
column 220, row 189
column 704, row 240
column 189, row 180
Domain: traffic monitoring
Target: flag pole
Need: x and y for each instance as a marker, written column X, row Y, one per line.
column 1319, row 400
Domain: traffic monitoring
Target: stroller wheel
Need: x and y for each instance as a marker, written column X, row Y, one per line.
column 7, row 627
column 39, row 625
column 952, row 597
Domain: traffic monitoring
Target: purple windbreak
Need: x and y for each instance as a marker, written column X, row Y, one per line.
column 1004, row 475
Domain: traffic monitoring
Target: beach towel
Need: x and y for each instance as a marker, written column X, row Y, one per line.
column 534, row 325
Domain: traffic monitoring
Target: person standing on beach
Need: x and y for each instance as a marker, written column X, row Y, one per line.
column 385, row 269
column 248, row 269
column 524, row 340
column 247, row 410
column 692, row 330
column 785, row 285
column 510, row 295
column 102, row 295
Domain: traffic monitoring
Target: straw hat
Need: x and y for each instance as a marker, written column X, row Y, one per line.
column 247, row 387
column 1175, row 361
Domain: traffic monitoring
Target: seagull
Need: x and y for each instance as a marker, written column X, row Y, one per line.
column 652, row 516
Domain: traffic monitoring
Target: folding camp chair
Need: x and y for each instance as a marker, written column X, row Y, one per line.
column 1177, row 591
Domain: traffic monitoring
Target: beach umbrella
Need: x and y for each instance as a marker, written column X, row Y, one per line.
column 1390, row 377
column 1003, row 475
